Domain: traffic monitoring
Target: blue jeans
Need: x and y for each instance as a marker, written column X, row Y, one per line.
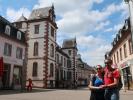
column 111, row 94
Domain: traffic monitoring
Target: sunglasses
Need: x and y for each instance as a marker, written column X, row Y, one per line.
column 99, row 68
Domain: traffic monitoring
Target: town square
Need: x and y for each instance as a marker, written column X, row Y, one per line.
column 66, row 49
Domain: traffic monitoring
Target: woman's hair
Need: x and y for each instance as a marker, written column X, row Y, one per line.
column 98, row 66
column 108, row 61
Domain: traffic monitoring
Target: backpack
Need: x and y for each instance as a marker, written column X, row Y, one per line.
column 120, row 84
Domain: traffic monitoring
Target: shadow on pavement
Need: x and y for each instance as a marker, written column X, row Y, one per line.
column 9, row 92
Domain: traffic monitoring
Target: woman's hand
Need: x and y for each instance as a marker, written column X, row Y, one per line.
column 103, row 86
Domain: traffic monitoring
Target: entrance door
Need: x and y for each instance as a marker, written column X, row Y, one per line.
column 6, row 76
column 17, row 77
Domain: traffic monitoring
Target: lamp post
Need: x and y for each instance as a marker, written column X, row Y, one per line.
column 130, row 4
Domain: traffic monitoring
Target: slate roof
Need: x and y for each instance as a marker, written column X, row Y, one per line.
column 59, row 49
column 70, row 43
column 21, row 19
column 40, row 13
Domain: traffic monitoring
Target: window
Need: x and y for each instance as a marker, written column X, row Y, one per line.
column 126, row 24
column 64, row 75
column 19, row 35
column 69, row 75
column 35, row 69
column 19, row 25
column 117, row 57
column 61, row 60
column 52, row 31
column 19, row 53
column 52, row 50
column 68, row 63
column 120, row 34
column 51, row 70
column 69, row 52
column 114, row 59
column 7, row 30
column 57, row 59
column 120, row 54
column 35, row 49
column 7, row 49
column 64, row 62
column 130, row 46
column 36, row 27
column 125, row 51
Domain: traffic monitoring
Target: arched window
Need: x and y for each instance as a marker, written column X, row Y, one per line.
column 52, row 50
column 7, row 30
column 35, row 69
column 51, row 70
column 35, row 49
column 19, row 35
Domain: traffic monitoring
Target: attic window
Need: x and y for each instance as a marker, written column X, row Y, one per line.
column 117, row 38
column 7, row 30
column 126, row 24
column 19, row 35
column 120, row 34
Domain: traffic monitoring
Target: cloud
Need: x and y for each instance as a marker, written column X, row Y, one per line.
column 102, row 25
column 96, row 56
column 79, row 19
column 13, row 14
column 108, row 30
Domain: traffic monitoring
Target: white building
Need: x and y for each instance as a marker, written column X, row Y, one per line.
column 122, row 53
column 41, row 33
column 70, row 48
column 62, row 65
column 12, row 49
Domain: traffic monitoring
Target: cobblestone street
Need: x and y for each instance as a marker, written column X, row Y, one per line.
column 54, row 94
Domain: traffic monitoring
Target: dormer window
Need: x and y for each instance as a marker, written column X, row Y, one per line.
column 117, row 38
column 114, row 42
column 7, row 30
column 120, row 34
column 126, row 24
column 19, row 35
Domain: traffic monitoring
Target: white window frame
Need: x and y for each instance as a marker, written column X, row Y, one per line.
column 7, row 30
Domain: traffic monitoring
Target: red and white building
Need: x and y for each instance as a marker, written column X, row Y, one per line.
column 41, row 34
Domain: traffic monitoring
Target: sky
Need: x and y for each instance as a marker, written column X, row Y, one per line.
column 94, row 23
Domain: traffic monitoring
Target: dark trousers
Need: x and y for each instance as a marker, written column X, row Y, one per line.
column 111, row 94
column 97, row 95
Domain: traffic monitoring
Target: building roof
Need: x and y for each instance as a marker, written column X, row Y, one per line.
column 40, row 13
column 69, row 43
column 58, row 49
column 13, row 31
column 22, row 18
